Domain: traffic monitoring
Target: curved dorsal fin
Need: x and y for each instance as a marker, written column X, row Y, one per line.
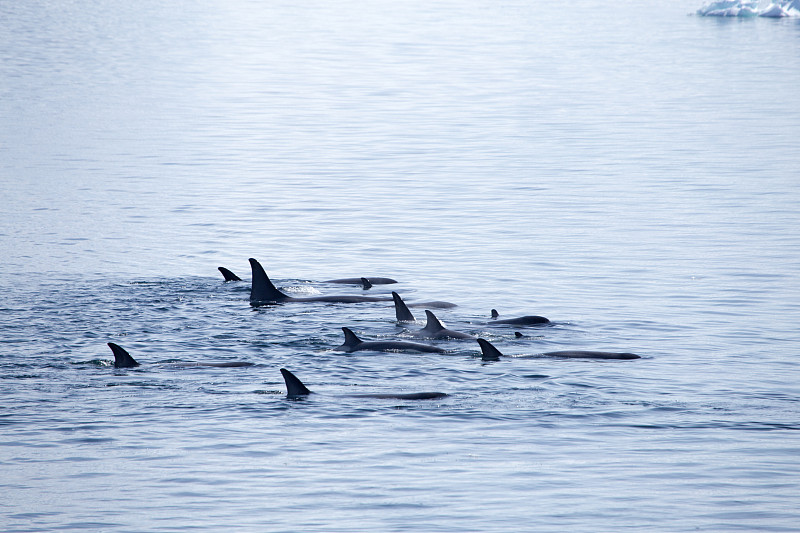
column 228, row 275
column 350, row 339
column 495, row 314
column 366, row 284
column 490, row 353
column 433, row 325
column 294, row 387
column 262, row 289
column 401, row 309
column 122, row 359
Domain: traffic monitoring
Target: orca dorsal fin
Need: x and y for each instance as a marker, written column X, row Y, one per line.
column 490, row 353
column 262, row 289
column 351, row 340
column 122, row 359
column 228, row 275
column 366, row 284
column 495, row 314
column 433, row 325
column 401, row 309
column 294, row 387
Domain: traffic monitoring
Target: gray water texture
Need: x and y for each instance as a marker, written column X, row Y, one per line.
column 628, row 170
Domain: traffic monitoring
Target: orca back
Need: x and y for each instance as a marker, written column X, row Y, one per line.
column 351, row 340
column 490, row 353
column 262, row 289
column 122, row 359
column 228, row 275
column 294, row 387
column 433, row 325
column 401, row 309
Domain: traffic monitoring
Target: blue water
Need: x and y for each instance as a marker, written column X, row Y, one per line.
column 629, row 170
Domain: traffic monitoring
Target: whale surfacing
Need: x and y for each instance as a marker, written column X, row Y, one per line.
column 401, row 309
column 490, row 353
column 295, row 389
column 122, row 359
column 373, row 280
column 527, row 320
column 434, row 329
column 228, row 275
column 353, row 344
column 263, row 292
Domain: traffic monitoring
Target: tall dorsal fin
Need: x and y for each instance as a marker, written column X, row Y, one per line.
column 433, row 325
column 294, row 387
column 490, row 353
column 366, row 284
column 262, row 289
column 122, row 359
column 401, row 309
column 228, row 275
column 495, row 314
column 351, row 340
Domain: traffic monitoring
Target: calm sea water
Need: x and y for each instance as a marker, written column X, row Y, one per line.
column 628, row 170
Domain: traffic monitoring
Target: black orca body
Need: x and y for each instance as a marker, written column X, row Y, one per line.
column 296, row 389
column 122, row 359
column 401, row 310
column 353, row 344
column 263, row 292
column 373, row 280
column 490, row 353
column 403, row 314
column 528, row 320
column 434, row 329
column 228, row 275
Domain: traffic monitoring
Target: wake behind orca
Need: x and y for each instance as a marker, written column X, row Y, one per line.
column 490, row 353
column 122, row 359
column 263, row 292
column 296, row 389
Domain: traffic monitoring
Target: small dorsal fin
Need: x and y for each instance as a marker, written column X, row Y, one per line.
column 262, row 289
column 366, row 284
column 350, row 339
column 228, row 275
column 495, row 314
column 433, row 325
column 401, row 309
column 122, row 359
column 490, row 353
column 294, row 387
column 518, row 335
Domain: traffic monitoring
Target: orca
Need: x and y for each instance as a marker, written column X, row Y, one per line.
column 528, row 320
column 353, row 344
column 404, row 315
column 122, row 359
column 401, row 309
column 228, row 275
column 264, row 292
column 434, row 329
column 296, row 389
column 360, row 281
column 490, row 353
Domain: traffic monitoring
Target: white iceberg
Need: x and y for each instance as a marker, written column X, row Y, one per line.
column 750, row 8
